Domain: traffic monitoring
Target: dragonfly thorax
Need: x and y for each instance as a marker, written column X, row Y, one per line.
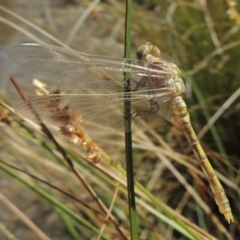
column 177, row 85
column 162, row 72
column 174, row 79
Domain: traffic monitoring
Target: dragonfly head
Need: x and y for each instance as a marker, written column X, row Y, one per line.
column 146, row 51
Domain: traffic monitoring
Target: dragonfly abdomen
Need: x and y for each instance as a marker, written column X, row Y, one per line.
column 179, row 110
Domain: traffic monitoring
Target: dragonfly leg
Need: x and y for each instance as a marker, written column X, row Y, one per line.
column 139, row 84
column 154, row 105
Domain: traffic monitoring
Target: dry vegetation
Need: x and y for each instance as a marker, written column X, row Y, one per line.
column 49, row 183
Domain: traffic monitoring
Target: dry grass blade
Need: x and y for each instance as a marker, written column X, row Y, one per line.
column 80, row 21
column 23, row 217
column 202, row 38
column 219, row 113
column 68, row 160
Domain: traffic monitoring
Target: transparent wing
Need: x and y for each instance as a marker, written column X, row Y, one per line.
column 98, row 112
column 78, row 71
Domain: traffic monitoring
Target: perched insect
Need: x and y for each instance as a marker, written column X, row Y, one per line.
column 155, row 93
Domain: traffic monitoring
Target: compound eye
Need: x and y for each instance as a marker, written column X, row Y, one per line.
column 140, row 52
column 146, row 49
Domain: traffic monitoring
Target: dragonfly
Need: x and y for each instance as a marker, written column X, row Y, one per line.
column 154, row 89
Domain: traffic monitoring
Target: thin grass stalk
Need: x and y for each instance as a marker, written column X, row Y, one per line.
column 22, row 217
column 68, row 223
column 128, row 133
column 28, row 23
column 53, row 201
column 6, row 233
column 63, row 153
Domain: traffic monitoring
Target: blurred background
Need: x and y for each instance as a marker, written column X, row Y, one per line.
column 203, row 39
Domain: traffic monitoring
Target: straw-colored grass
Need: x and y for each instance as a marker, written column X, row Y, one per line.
column 89, row 201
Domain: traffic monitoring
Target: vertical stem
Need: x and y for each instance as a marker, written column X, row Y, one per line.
column 128, row 133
